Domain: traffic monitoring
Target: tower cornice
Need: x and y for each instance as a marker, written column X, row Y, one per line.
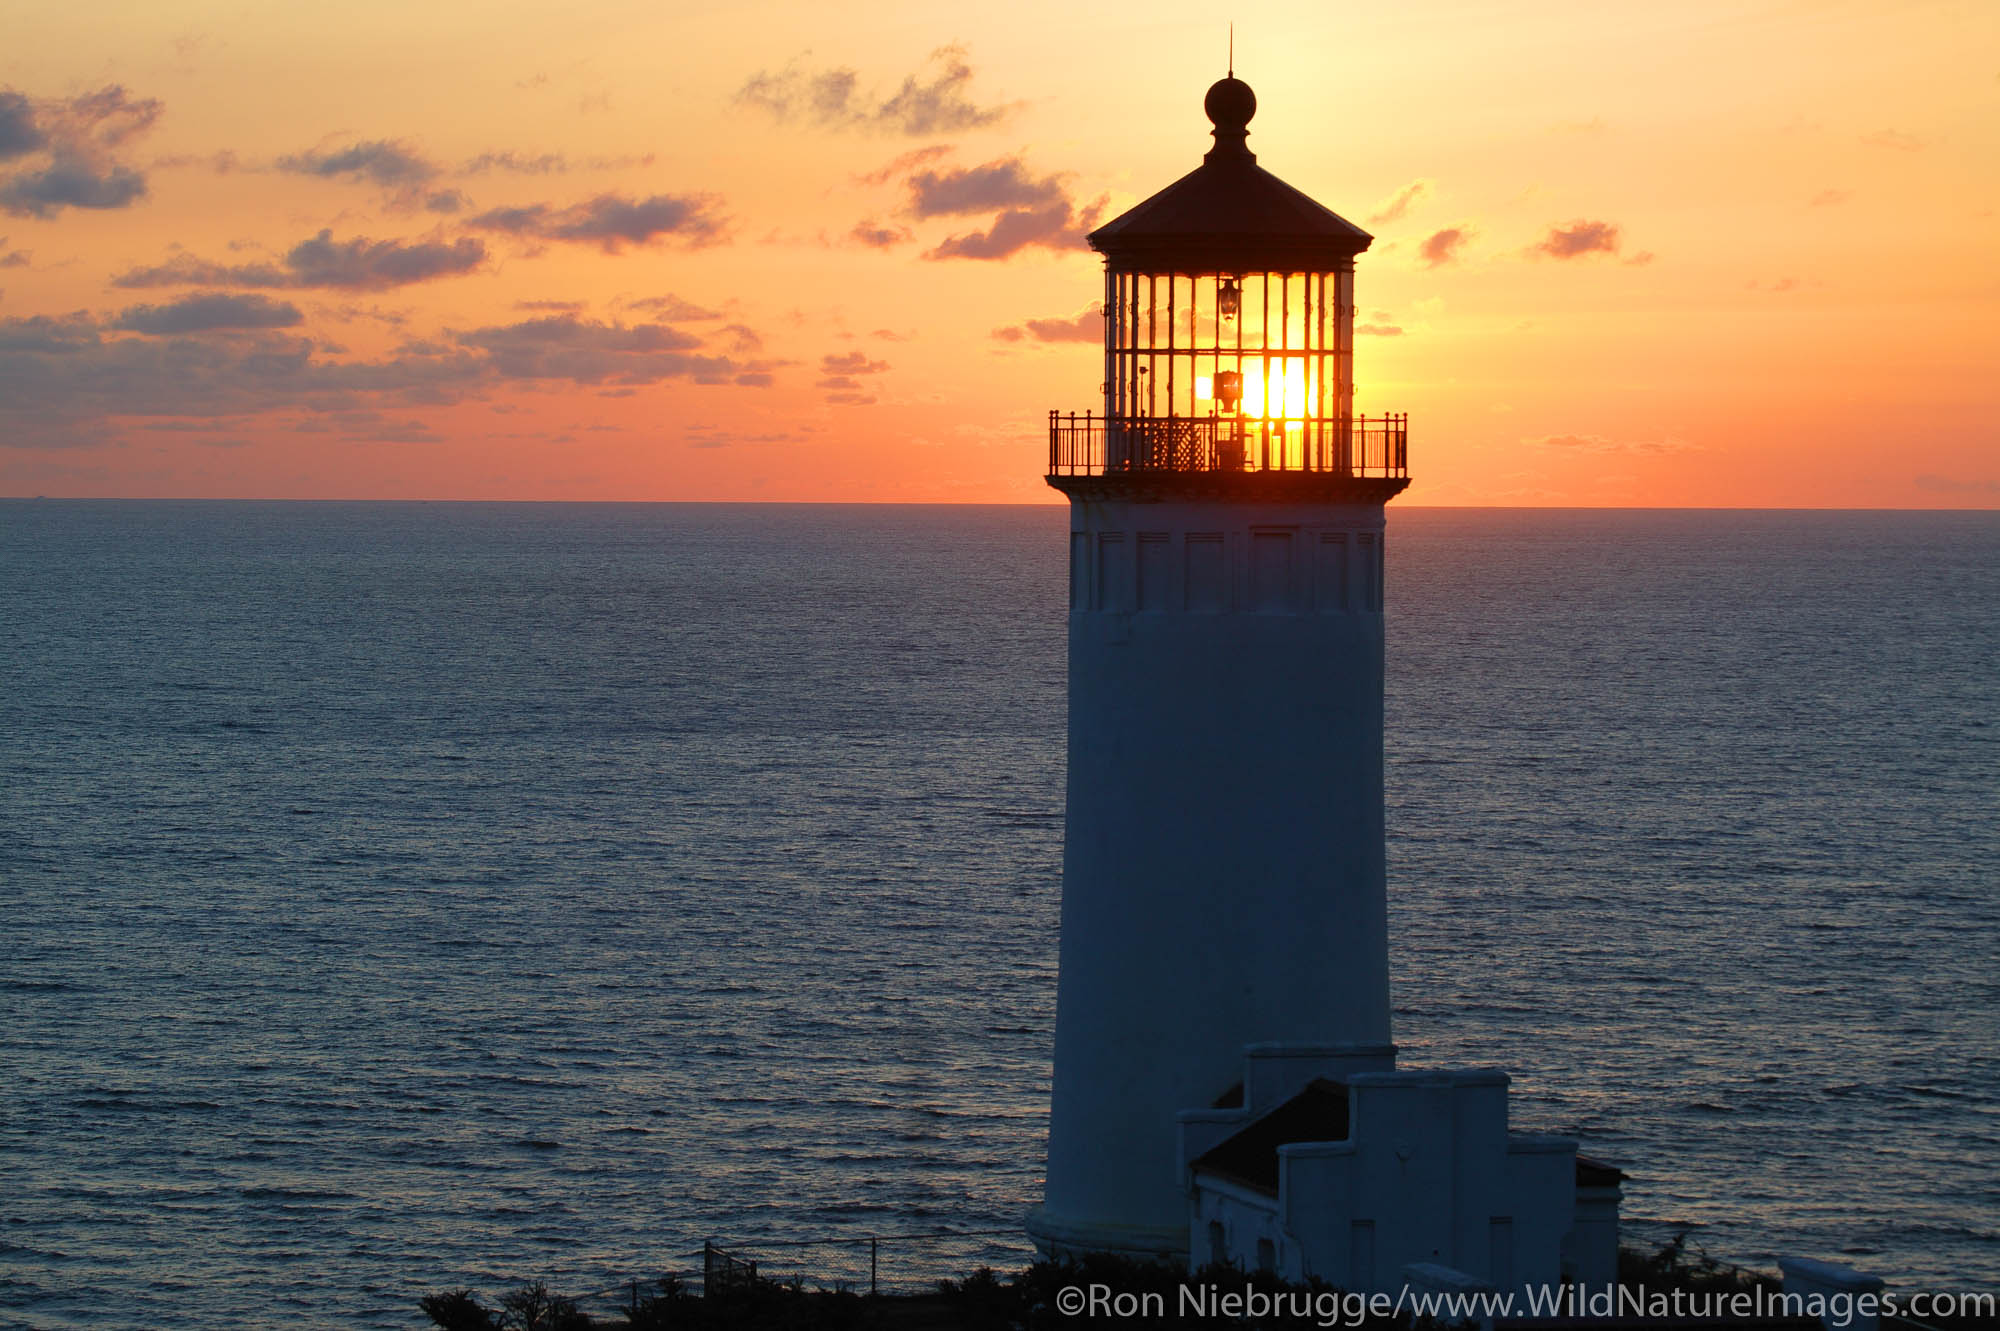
column 1263, row 487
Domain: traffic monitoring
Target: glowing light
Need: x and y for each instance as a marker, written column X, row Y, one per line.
column 1204, row 387
column 1284, row 391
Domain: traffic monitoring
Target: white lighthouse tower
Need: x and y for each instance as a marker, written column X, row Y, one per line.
column 1224, row 919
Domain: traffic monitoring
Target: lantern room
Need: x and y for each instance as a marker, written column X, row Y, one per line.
column 1229, row 333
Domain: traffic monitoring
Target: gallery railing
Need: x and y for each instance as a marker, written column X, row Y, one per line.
column 1091, row 445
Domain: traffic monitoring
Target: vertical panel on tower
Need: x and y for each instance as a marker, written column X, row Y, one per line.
column 1271, row 571
column 1206, row 585
column 1155, row 564
column 1114, row 571
column 1330, row 572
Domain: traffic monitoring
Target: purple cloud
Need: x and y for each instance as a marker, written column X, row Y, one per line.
column 933, row 100
column 384, row 162
column 79, row 134
column 611, row 222
column 1442, row 247
column 359, row 264
column 1579, row 238
column 1401, row 202
column 208, row 312
column 1087, row 326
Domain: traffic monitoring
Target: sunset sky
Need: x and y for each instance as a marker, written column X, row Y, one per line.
column 1705, row 254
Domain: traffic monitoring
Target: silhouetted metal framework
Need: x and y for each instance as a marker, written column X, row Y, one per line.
column 1229, row 330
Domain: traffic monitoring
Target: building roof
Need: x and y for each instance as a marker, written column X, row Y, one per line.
column 1318, row 1113
column 1230, row 215
column 1596, row 1174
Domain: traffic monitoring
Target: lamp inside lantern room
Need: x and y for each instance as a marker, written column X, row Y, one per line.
column 1229, row 390
column 1228, row 298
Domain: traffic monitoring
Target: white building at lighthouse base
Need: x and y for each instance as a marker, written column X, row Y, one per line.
column 1335, row 1166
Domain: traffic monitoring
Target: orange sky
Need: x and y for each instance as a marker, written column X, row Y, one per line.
column 1696, row 254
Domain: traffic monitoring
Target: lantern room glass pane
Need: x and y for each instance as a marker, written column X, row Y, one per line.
column 1173, row 339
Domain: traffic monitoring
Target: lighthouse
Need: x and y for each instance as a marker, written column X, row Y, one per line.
column 1223, row 999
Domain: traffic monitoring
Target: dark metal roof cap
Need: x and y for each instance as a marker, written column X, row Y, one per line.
column 1229, row 214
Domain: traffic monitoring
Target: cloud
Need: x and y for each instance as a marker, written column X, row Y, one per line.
column 107, row 118
column 208, row 312
column 83, row 126
column 80, row 135
column 362, row 425
column 359, row 264
column 982, row 189
column 1828, row 198
column 1443, row 247
column 878, row 237
column 1378, row 330
column 53, row 379
column 612, row 222
column 588, row 351
column 445, row 201
column 222, row 162
column 1031, row 210
column 1955, row 485
column 13, row 258
column 851, row 362
column 48, row 334
column 70, row 183
column 62, row 383
column 1579, row 238
column 933, row 100
column 840, row 372
column 372, row 265
column 543, row 165
column 1899, row 140
column 714, row 436
column 1593, row 443
column 19, row 135
column 905, row 162
column 384, row 162
column 672, row 309
column 1401, row 201
column 1014, row 231
column 1086, row 326
column 548, row 164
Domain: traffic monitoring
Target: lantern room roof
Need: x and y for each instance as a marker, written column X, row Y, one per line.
column 1230, row 215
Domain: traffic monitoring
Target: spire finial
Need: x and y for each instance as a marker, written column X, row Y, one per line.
column 1230, row 104
column 1232, row 50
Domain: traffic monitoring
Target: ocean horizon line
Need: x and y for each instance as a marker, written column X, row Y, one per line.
column 1056, row 502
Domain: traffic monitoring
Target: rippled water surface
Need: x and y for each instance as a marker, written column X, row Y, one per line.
column 403, row 896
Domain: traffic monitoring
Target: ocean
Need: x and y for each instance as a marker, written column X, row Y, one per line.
column 397, row 897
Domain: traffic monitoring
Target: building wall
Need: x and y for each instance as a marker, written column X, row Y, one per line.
column 1223, row 878
column 1428, row 1174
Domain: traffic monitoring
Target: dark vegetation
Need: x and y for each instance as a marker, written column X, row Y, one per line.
column 1673, row 1267
column 982, row 1301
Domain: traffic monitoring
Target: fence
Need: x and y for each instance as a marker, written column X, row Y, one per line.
column 1091, row 445
column 862, row 1263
